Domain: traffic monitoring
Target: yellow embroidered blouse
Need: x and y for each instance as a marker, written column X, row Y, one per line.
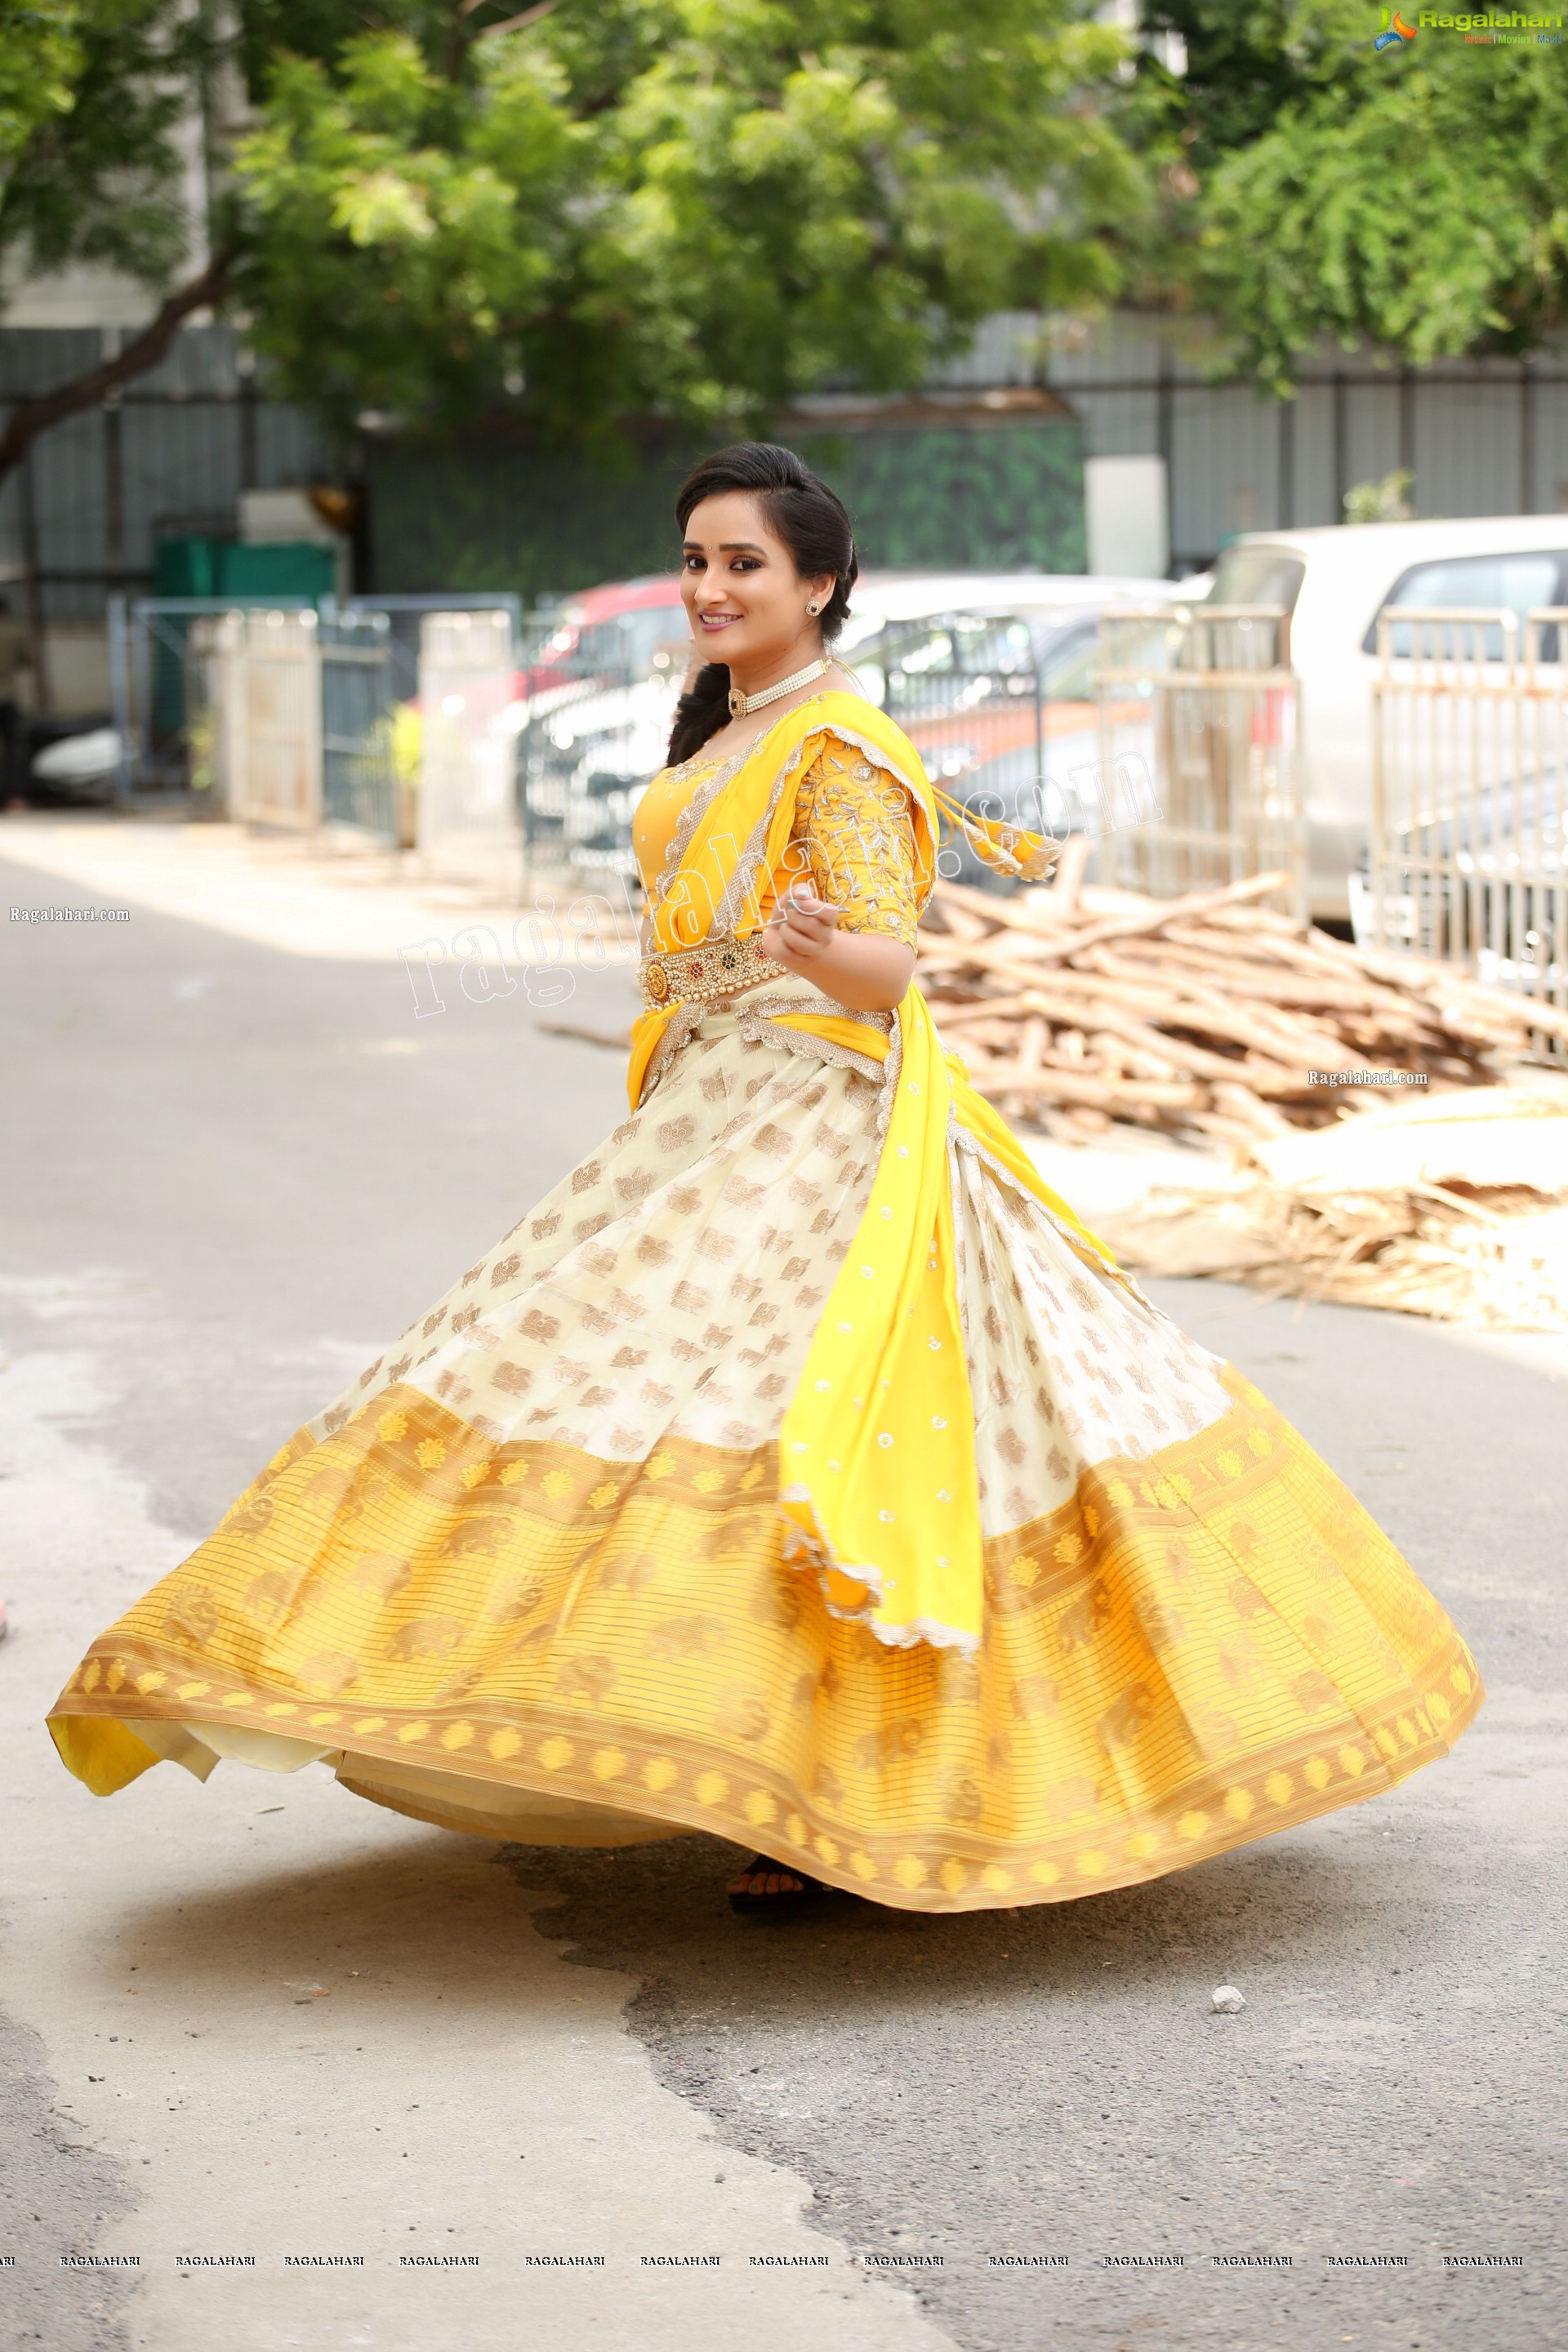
column 852, row 838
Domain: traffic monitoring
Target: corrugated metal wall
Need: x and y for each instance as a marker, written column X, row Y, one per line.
column 1486, row 436
column 189, row 440
column 1481, row 437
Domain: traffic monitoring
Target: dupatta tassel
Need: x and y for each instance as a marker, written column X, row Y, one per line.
column 1007, row 849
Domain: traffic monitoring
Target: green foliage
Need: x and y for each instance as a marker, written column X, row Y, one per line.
column 1386, row 500
column 1412, row 199
column 697, row 210
column 674, row 208
column 40, row 57
column 92, row 93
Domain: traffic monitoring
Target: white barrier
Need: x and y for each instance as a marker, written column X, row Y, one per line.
column 267, row 706
column 469, row 828
column 1469, row 836
column 1211, row 691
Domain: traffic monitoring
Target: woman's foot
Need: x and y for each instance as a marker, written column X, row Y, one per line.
column 766, row 1885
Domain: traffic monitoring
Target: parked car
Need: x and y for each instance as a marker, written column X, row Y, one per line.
column 993, row 676
column 625, row 624
column 594, row 702
column 1333, row 583
column 74, row 760
column 995, row 681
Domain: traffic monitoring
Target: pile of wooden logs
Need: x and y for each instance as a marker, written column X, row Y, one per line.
column 1073, row 1006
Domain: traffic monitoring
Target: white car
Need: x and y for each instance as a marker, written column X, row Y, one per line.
column 1334, row 583
column 593, row 722
column 882, row 596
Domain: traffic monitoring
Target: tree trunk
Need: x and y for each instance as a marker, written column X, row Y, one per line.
column 31, row 417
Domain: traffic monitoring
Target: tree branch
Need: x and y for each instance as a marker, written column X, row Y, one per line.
column 32, row 418
column 515, row 24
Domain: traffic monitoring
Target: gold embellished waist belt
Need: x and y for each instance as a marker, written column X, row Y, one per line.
column 701, row 974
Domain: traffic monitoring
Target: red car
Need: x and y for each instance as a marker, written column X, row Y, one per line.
column 636, row 625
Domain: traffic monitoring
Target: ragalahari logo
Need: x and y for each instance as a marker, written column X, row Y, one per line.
column 1395, row 32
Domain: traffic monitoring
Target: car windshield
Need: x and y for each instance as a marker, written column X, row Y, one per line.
column 1257, row 575
column 1069, row 670
column 958, row 645
column 1517, row 584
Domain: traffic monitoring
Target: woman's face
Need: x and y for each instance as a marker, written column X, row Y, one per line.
column 744, row 597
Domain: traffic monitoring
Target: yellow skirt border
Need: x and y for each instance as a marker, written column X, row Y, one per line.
column 1217, row 1810
column 1383, row 1715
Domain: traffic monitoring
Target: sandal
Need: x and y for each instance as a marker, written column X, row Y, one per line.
column 766, row 1885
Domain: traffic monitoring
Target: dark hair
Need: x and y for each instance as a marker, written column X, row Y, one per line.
column 812, row 521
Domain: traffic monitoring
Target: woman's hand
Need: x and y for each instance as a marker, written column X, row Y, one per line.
column 803, row 929
column 864, row 973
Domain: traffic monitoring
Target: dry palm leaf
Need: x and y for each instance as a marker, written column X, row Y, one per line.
column 1454, row 1208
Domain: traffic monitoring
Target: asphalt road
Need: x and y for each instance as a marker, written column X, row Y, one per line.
column 230, row 1173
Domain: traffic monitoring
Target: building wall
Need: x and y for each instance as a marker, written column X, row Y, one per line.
column 84, row 512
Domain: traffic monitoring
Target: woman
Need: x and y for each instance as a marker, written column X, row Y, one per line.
column 800, row 1469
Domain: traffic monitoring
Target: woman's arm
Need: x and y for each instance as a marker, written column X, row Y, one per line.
column 848, row 922
column 866, row 971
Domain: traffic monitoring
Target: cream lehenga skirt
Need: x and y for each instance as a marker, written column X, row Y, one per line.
column 528, row 1578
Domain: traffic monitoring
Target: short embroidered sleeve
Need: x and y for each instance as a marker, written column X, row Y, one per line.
column 853, row 836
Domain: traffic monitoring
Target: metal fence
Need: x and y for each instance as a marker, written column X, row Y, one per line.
column 1168, row 737
column 1469, row 856
column 1169, row 742
column 288, row 714
column 179, row 693
column 358, row 702
column 1202, row 698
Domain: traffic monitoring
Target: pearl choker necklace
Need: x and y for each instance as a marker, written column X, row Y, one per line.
column 741, row 705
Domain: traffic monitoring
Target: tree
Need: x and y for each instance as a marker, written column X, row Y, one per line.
column 599, row 209
column 1411, row 199
column 577, row 211
column 95, row 99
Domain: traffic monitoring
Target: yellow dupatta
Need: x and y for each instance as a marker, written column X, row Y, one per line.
column 877, row 1476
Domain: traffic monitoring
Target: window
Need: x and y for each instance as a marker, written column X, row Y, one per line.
column 632, row 640
column 1257, row 575
column 1069, row 670
column 959, row 644
column 1509, row 583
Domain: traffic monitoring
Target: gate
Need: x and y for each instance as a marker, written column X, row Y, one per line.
column 1468, row 855
column 359, row 782
column 1205, row 697
column 178, row 679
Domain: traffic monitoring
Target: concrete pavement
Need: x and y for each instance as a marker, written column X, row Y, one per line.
column 261, row 2017
column 1053, row 2081
column 233, row 1169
